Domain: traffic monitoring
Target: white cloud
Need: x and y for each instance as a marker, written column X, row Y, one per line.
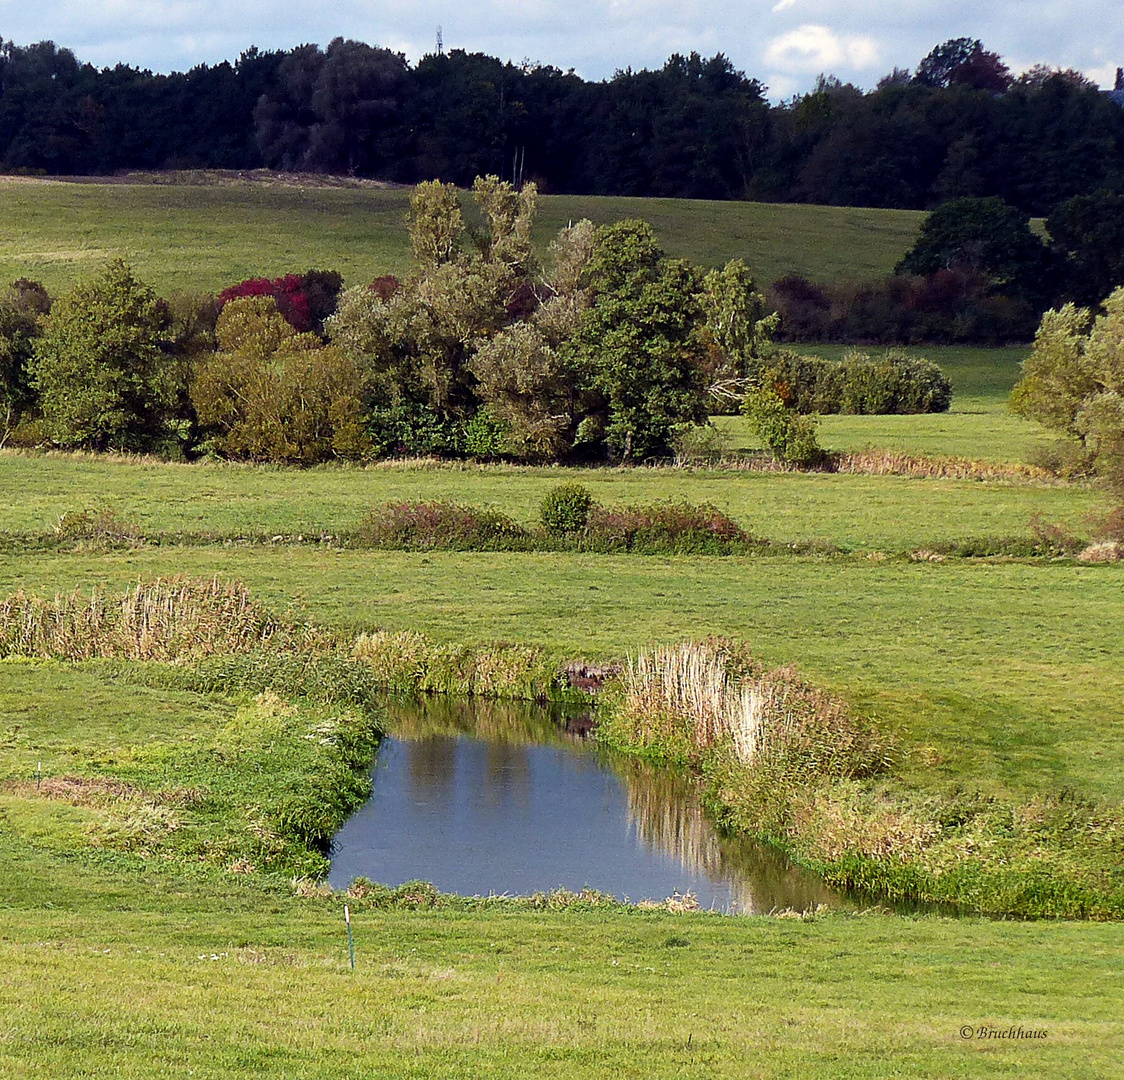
column 1104, row 76
column 784, row 5
column 818, row 48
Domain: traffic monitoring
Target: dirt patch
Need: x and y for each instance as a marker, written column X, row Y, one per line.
column 589, row 677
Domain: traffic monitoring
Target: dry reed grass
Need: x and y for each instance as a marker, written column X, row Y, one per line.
column 165, row 620
column 875, row 462
column 846, row 821
column 684, row 700
column 894, row 463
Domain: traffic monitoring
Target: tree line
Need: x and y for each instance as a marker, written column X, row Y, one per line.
column 959, row 125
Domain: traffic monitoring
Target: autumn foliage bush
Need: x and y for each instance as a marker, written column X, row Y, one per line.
column 953, row 306
column 304, row 300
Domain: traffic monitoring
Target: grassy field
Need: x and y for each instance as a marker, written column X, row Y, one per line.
column 998, row 679
column 122, row 962
column 185, row 238
column 193, row 977
column 966, row 658
column 1001, row 678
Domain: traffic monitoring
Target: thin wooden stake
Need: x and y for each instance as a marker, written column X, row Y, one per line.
column 350, row 939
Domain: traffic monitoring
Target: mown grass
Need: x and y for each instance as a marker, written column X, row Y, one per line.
column 247, row 781
column 187, row 237
column 851, row 511
column 220, row 979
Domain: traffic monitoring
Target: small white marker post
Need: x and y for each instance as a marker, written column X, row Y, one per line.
column 350, row 940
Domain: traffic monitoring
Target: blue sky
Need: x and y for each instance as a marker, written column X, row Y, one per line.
column 785, row 43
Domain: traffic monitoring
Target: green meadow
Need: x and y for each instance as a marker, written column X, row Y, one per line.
column 184, row 237
column 138, row 937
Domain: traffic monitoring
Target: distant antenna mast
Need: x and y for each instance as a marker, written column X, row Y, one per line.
column 440, row 43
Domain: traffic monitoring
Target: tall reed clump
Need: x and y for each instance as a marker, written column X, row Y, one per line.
column 166, row 620
column 409, row 662
column 686, row 702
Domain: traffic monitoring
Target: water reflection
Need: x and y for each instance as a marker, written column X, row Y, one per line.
column 496, row 797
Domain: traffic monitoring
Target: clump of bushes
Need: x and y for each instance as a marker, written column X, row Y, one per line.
column 572, row 521
column 954, row 306
column 788, row 435
column 423, row 526
column 304, row 300
column 1073, row 383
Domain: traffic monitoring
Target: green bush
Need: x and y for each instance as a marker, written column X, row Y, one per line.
column 566, row 509
column 788, row 435
column 101, row 368
column 894, row 383
column 485, row 436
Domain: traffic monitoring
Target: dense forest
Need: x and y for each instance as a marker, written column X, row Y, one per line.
column 958, row 125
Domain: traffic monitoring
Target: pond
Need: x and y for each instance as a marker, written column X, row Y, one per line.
column 485, row 798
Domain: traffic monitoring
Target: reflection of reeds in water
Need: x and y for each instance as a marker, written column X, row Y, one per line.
column 667, row 818
column 665, row 812
column 515, row 722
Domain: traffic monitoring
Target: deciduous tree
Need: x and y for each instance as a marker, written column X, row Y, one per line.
column 103, row 376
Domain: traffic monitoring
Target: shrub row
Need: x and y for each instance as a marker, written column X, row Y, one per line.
column 657, row 529
column 859, row 384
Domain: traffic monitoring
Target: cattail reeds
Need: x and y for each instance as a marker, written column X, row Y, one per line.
column 164, row 620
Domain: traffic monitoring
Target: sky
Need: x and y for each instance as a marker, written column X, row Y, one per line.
column 784, row 43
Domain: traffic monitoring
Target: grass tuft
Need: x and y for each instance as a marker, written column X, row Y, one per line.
column 409, row 662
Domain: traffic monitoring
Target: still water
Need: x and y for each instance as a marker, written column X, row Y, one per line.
column 485, row 797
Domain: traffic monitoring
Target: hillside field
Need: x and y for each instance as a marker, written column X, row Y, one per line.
column 203, row 237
